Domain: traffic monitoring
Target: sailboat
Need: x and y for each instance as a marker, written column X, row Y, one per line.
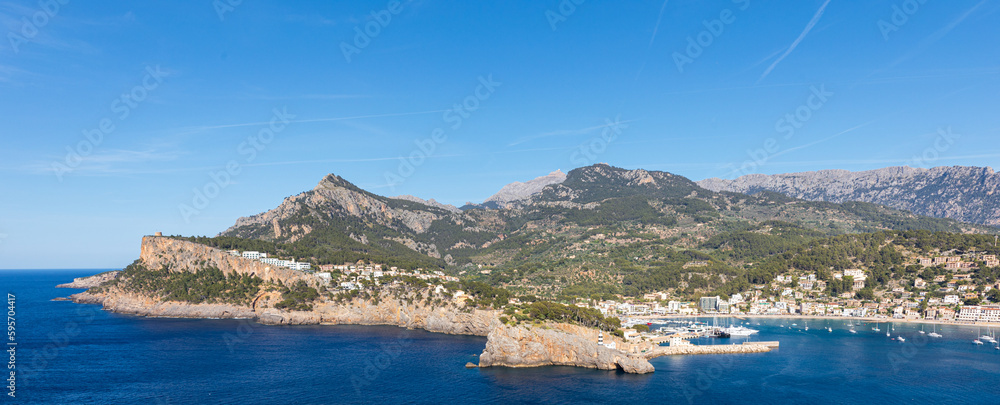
column 922, row 329
column 829, row 329
column 887, row 334
column 987, row 337
column 934, row 334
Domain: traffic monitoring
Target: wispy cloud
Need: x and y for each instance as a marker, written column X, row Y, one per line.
column 809, row 27
column 106, row 162
column 565, row 132
column 770, row 158
column 306, row 97
column 202, row 128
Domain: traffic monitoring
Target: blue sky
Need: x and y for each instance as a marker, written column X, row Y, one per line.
column 115, row 113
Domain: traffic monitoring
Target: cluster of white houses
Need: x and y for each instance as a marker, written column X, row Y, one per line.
column 895, row 308
column 262, row 257
column 361, row 271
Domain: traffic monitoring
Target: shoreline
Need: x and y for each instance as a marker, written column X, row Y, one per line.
column 867, row 319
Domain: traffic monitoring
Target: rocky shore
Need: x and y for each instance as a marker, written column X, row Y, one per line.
column 528, row 345
column 555, row 344
column 90, row 281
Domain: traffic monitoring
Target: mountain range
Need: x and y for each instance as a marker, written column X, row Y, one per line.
column 600, row 225
column 968, row 194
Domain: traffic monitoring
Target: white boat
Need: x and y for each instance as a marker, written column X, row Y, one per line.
column 901, row 339
column 853, row 331
column 987, row 337
column 977, row 342
column 739, row 331
column 876, row 329
column 829, row 329
column 934, row 334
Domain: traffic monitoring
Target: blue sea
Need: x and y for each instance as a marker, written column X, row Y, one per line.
column 78, row 354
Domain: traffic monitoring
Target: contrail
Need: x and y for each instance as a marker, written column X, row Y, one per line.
column 656, row 28
column 809, row 27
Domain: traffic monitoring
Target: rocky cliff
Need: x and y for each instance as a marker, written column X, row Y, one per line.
column 967, row 194
column 178, row 255
column 90, row 281
column 555, row 344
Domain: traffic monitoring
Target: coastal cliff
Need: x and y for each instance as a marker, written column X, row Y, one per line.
column 90, row 281
column 404, row 305
column 555, row 344
column 178, row 255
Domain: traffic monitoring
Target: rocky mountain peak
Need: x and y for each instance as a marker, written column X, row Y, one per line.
column 959, row 192
column 518, row 191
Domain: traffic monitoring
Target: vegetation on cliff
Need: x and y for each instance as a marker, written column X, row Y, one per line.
column 298, row 297
column 206, row 285
column 541, row 311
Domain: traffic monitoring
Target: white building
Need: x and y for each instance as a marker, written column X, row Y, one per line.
column 951, row 299
column 986, row 313
column 857, row 274
column 252, row 255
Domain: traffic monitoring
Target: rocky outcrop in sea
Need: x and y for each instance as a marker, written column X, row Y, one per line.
column 555, row 344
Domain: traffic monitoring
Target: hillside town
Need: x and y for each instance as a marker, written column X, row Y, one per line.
column 348, row 275
column 952, row 296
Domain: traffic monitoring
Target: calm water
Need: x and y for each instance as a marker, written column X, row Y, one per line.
column 71, row 353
